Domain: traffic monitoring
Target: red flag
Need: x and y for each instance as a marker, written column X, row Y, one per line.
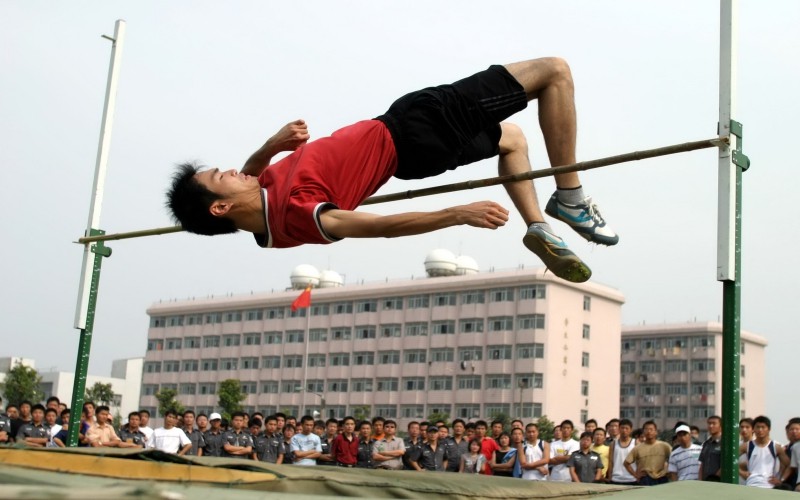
column 304, row 300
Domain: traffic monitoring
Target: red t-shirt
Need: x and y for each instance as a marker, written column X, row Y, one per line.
column 339, row 171
column 345, row 451
column 488, row 447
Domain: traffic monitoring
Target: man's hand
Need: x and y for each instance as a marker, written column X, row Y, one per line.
column 290, row 137
column 486, row 214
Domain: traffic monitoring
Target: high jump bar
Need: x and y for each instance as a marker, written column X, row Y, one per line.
column 479, row 183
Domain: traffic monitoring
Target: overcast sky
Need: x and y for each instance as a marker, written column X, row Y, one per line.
column 210, row 81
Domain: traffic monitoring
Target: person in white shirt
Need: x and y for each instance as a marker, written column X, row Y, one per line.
column 560, row 451
column 534, row 456
column 170, row 439
column 684, row 460
column 144, row 424
column 618, row 451
column 766, row 459
column 306, row 445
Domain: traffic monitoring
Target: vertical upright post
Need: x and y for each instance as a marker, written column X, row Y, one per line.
column 94, row 253
column 729, row 243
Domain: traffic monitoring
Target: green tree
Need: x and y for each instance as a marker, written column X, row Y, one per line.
column 100, row 393
column 361, row 412
column 436, row 416
column 546, row 427
column 230, row 397
column 501, row 416
column 166, row 401
column 22, row 383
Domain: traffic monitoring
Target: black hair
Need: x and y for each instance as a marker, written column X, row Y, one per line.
column 586, row 434
column 459, row 421
column 134, row 414
column 102, row 408
column 237, row 414
column 650, row 422
column 590, row 421
column 170, row 412
column 188, row 412
column 256, row 422
column 331, row 421
column 145, row 412
column 53, row 398
column 761, row 419
column 626, row 421
column 306, row 418
column 37, row 407
column 64, row 412
column 189, row 201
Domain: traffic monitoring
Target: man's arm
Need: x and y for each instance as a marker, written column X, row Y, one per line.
column 290, row 137
column 610, row 469
column 348, row 224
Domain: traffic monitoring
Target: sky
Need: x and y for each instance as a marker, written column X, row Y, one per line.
column 211, row 81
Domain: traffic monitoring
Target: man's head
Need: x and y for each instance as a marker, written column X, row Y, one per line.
column 625, row 428
column 458, row 427
column 497, row 428
column 103, row 414
column 331, row 427
column 532, row 432
column 170, row 419
column 650, row 431
column 377, row 425
column 517, row 436
column 307, row 424
column 586, row 440
column 237, row 421
column 215, row 419
column 599, row 436
column 444, row 432
column 37, row 414
column 793, row 430
column 319, row 427
column 89, row 408
column 469, row 431
column 133, row 421
column 684, row 433
column 188, row 419
column 271, row 425
column 50, row 416
column 714, row 424
column 591, row 425
column 53, row 402
column 144, row 415
column 761, row 427
column 480, row 429
column 557, row 433
column 349, row 425
column 413, row 429
column 390, row 428
column 25, row 410
column 746, row 429
column 12, row 411
column 566, row 430
column 255, row 426
column 517, row 424
column 612, row 427
column 433, row 434
column 694, row 431
column 288, row 431
column 65, row 418
column 200, row 200
column 202, row 421
column 365, row 430
column 280, row 419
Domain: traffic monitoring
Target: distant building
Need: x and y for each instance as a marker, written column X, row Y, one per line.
column 468, row 344
column 674, row 372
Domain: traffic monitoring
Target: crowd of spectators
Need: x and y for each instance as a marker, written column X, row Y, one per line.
column 617, row 453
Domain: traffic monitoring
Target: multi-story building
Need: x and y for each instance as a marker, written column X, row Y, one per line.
column 673, row 372
column 472, row 345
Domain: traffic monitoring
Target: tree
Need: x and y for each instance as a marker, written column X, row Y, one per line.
column 546, row 427
column 503, row 417
column 436, row 417
column 100, row 393
column 360, row 412
column 22, row 383
column 166, row 401
column 230, row 397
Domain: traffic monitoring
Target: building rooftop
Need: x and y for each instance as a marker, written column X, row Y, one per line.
column 694, row 327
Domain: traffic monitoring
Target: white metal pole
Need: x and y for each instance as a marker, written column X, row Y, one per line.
column 726, row 203
column 100, row 171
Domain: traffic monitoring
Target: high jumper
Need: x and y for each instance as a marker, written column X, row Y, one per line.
column 311, row 195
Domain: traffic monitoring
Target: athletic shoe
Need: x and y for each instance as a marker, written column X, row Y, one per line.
column 556, row 256
column 584, row 218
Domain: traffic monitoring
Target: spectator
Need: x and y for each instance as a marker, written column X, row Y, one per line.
column 534, row 456
column 517, row 424
column 618, row 451
column 469, row 431
column 388, row 452
column 272, row 447
column 444, row 432
column 194, row 435
column 102, row 433
column 497, row 429
column 413, row 443
column 288, row 453
column 684, row 460
column 281, row 419
column 236, row 442
column 345, row 446
column 600, row 447
column 144, row 416
column 202, row 422
column 423, row 431
column 488, row 445
column 19, row 416
column 90, row 409
column 213, row 437
column 431, row 456
column 766, row 460
column 131, row 436
column 695, row 432
column 365, row 444
column 326, row 441
column 50, row 419
column 259, row 439
column 473, row 462
column 793, row 436
column 293, row 422
column 560, row 451
column 33, row 433
column 62, row 436
column 590, row 426
column 585, row 466
column 306, row 445
column 612, row 431
column 5, row 429
column 170, row 439
column 638, row 436
column 455, row 446
column 86, row 423
column 745, row 436
column 650, row 456
column 556, row 434
column 504, row 458
column 711, row 453
column 377, row 428
column 52, row 402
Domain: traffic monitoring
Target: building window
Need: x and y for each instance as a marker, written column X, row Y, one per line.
column 393, row 304
column 207, row 389
column 473, row 297
column 290, row 386
column 250, row 387
column 268, row 362
column 340, row 359
column 585, row 360
column 703, row 365
column 627, row 367
column 386, row 411
column 295, row 336
column 498, row 352
column 586, row 332
column 414, row 383
column 149, row 389
column 501, row 324
column 367, row 306
column 191, row 343
column 252, row 339
column 254, row 315
column 469, row 381
column 742, row 371
column 532, row 292
column 584, row 388
column 495, row 381
column 470, row 353
column 320, row 310
column 387, row 384
column 363, row 358
column 229, row 364
column 531, row 410
column 676, row 389
column 676, row 412
column 157, row 322
column 175, row 321
column 530, row 351
column 650, row 366
column 530, row 321
column 412, row 411
column 650, row 345
column 443, row 327
column 194, row 319
column 443, row 354
column 468, row 411
column 316, row 360
column 501, row 295
column 213, row 318
column 471, row 325
column 342, row 333
column 173, row 344
column 365, row 332
column 155, row 345
column 654, row 412
column 529, row 380
column 273, row 338
column 269, row 387
column 650, row 389
column 444, row 299
column 676, row 342
column 250, row 363
column 702, row 411
column 231, row 340
column 414, row 356
column 741, row 391
column 440, row 384
column 497, row 409
column 416, row 329
column 172, row 366
column 233, row 316
column 389, row 357
column 702, row 341
column 391, row 330
column 742, row 348
column 315, row 385
column 418, row 301
column 211, row 341
column 676, row 365
column 627, row 412
column 628, row 345
column 587, row 303
column 337, row 385
column 342, row 308
column 187, row 389
column 191, row 365
column 209, row 365
column 627, row 390
column 361, row 385
column 702, row 388
column 318, row 335
column 298, row 313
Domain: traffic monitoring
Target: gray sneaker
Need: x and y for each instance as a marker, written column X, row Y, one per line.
column 584, row 218
column 556, row 256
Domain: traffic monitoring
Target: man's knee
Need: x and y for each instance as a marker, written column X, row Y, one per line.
column 560, row 70
column 512, row 139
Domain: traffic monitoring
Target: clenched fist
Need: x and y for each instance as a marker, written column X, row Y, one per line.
column 486, row 214
column 290, row 137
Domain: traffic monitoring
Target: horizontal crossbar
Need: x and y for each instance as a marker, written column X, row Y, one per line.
column 479, row 183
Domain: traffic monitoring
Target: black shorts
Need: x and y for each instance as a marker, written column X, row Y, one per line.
column 440, row 128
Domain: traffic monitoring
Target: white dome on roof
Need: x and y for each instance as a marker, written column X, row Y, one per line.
column 304, row 275
column 440, row 262
column 466, row 265
column 330, row 279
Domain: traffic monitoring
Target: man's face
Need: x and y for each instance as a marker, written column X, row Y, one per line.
column 188, row 420
column 216, row 424
column 423, row 429
column 793, row 433
column 517, row 436
column 480, row 431
column 497, row 429
column 458, row 429
column 202, row 421
column 390, row 430
column 50, row 417
column 254, row 430
column 237, row 422
column 557, row 433
column 378, row 428
column 144, row 419
column 65, row 420
column 89, row 409
column 599, row 437
column 170, row 421
column 443, row 432
column 133, row 422
column 227, row 184
column 685, row 439
column 332, row 429
column 288, row 432
column 613, row 429
column 292, row 422
column 532, row 434
column 650, row 432
column 566, row 432
column 25, row 411
column 53, row 404
column 625, row 431
column 761, row 430
column 280, row 422
column 38, row 416
column 319, row 430
column 308, row 427
column 714, row 426
column 365, row 431
column 746, row 431
column 586, row 442
column 413, row 430
column 433, row 437
column 469, row 433
column 591, row 426
column 12, row 412
column 271, row 427
column 516, row 424
column 349, row 426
